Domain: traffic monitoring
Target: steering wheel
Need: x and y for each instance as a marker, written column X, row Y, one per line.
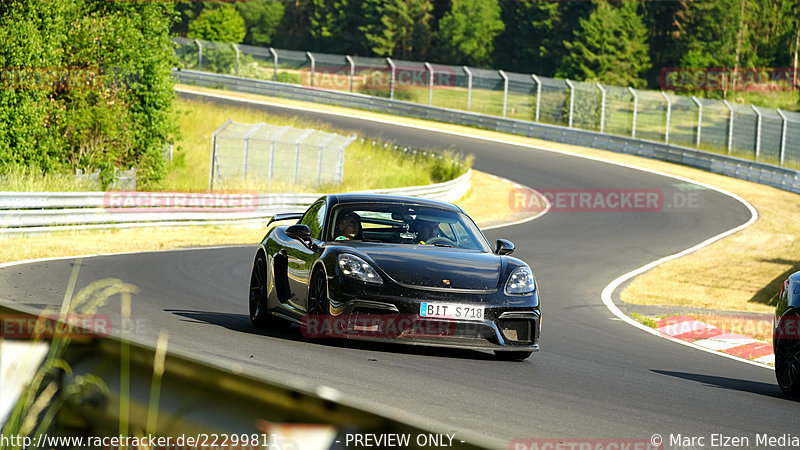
column 439, row 240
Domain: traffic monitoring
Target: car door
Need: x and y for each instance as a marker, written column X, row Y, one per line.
column 301, row 257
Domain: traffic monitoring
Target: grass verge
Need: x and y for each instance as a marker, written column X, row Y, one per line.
column 740, row 273
column 644, row 320
column 368, row 163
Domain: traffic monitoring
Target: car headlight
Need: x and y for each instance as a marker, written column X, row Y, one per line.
column 521, row 281
column 355, row 267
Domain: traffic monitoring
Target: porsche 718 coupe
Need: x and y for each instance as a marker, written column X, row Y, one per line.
column 396, row 269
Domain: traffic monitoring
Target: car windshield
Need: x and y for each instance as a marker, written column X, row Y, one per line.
column 405, row 224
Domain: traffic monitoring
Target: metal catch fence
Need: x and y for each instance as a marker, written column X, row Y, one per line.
column 265, row 152
column 761, row 134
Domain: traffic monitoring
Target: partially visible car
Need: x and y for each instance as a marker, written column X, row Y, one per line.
column 786, row 336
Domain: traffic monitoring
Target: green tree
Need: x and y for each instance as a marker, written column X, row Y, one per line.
column 31, row 35
column 98, row 92
column 261, row 19
column 187, row 12
column 468, row 31
column 610, row 46
column 223, row 24
column 398, row 28
column 528, row 43
column 712, row 31
column 665, row 23
column 335, row 26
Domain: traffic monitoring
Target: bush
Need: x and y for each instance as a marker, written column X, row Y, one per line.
column 286, row 77
column 450, row 166
column 223, row 24
column 79, row 115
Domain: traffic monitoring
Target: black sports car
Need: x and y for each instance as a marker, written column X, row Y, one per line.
column 786, row 336
column 395, row 269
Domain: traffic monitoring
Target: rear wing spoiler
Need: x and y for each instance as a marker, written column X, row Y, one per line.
column 287, row 216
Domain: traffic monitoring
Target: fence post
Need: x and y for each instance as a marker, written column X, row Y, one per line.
column 469, row 87
column 505, row 90
column 635, row 110
column 730, row 127
column 274, row 64
column 247, row 135
column 272, row 141
column 669, row 116
column 313, row 66
column 236, row 47
column 394, row 75
column 297, row 145
column 783, row 134
column 199, row 54
column 699, row 119
column 758, row 131
column 602, row 107
column 322, row 145
column 211, row 163
column 340, row 162
column 214, row 153
column 571, row 100
column 430, row 83
column 352, row 70
column 538, row 94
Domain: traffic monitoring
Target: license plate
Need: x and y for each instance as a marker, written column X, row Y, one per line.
column 451, row 311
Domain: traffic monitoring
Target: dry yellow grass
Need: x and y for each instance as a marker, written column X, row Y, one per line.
column 741, row 272
column 481, row 203
column 487, row 202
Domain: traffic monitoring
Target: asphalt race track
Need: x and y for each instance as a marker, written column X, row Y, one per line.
column 596, row 377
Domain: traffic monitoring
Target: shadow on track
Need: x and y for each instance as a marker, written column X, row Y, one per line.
column 241, row 323
column 734, row 384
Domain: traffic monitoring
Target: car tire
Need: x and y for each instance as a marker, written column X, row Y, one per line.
column 318, row 302
column 512, row 356
column 259, row 314
column 787, row 354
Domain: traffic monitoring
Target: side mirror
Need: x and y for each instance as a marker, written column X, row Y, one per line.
column 504, row 247
column 300, row 232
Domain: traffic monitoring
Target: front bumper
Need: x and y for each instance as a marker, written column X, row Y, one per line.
column 510, row 323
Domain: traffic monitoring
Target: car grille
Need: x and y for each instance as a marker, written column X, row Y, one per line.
column 516, row 331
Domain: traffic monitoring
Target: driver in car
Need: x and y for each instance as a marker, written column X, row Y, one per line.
column 349, row 227
column 425, row 230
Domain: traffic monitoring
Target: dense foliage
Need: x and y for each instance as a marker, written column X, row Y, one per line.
column 86, row 85
column 612, row 41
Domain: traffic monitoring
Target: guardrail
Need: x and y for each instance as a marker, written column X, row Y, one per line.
column 173, row 394
column 29, row 212
column 768, row 174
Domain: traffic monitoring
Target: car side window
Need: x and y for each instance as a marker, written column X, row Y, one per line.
column 315, row 218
